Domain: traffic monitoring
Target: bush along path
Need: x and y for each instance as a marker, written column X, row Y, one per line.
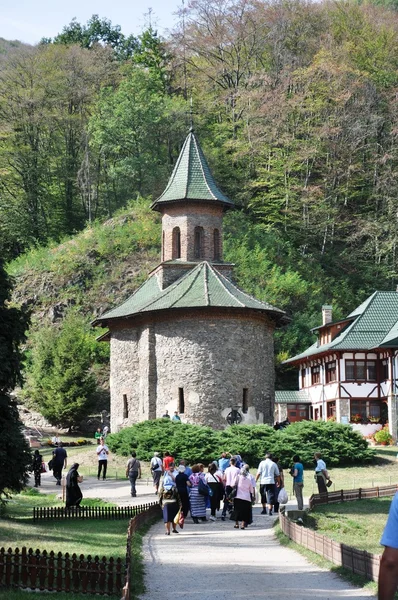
column 214, row 560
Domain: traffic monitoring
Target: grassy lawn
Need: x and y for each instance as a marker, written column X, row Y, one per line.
column 8, row 594
column 359, row 523
column 87, row 458
column 102, row 538
column 384, row 471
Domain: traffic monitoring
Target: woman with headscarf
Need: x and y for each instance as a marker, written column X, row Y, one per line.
column 197, row 501
column 73, row 492
column 243, row 499
column 214, row 481
column 183, row 483
column 37, row 463
column 170, row 502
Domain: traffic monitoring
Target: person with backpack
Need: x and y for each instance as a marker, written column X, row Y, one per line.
column 133, row 472
column 156, row 470
column 170, row 503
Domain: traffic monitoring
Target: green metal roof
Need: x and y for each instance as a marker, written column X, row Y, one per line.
column 375, row 324
column 291, row 397
column 202, row 287
column 191, row 178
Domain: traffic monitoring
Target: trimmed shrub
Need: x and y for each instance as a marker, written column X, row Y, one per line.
column 338, row 443
column 191, row 442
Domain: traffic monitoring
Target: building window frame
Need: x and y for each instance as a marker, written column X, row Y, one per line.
column 303, row 373
column 125, row 407
column 181, row 401
column 385, row 369
column 198, row 242
column 366, row 407
column 315, row 374
column 176, row 243
column 245, row 400
column 216, row 245
column 330, row 371
column 361, row 369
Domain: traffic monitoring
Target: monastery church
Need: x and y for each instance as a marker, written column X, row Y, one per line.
column 188, row 339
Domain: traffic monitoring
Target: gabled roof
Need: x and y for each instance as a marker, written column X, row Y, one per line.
column 191, row 178
column 202, row 287
column 374, row 325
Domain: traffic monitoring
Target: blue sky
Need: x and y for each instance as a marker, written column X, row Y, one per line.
column 31, row 20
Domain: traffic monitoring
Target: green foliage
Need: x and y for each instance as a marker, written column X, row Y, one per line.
column 15, row 456
column 192, row 442
column 339, row 444
column 59, row 380
column 383, row 436
column 97, row 31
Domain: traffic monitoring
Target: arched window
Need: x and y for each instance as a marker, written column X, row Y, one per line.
column 198, row 242
column 216, row 244
column 163, row 249
column 176, row 243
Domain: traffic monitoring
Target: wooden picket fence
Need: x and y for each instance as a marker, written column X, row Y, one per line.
column 90, row 512
column 350, row 495
column 41, row 570
column 135, row 524
column 57, row 572
column 358, row 561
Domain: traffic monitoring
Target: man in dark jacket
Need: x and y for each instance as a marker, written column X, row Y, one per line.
column 59, row 462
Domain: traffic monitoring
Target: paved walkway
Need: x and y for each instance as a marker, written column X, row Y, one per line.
column 215, row 561
column 111, row 490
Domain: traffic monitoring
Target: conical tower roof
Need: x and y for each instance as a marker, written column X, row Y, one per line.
column 202, row 288
column 191, row 179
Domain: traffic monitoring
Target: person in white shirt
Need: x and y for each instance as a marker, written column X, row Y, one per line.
column 102, row 454
column 321, row 474
column 268, row 473
column 230, row 476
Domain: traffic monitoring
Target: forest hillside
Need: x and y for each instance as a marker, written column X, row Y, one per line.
column 295, row 105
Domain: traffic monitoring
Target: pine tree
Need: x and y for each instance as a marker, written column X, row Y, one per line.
column 15, row 456
column 59, row 377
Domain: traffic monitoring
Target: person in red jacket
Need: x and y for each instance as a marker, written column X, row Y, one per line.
column 167, row 461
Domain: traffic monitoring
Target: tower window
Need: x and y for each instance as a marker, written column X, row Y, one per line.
column 125, row 407
column 198, row 242
column 181, row 401
column 216, row 244
column 176, row 243
column 245, row 401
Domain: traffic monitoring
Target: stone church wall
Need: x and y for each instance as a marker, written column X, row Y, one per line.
column 208, row 361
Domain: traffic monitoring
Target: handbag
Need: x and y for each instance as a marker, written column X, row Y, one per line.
column 181, row 520
column 43, row 468
column 177, row 517
column 232, row 493
column 203, row 488
column 283, row 498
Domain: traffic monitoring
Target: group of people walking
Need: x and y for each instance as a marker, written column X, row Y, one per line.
column 227, row 483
